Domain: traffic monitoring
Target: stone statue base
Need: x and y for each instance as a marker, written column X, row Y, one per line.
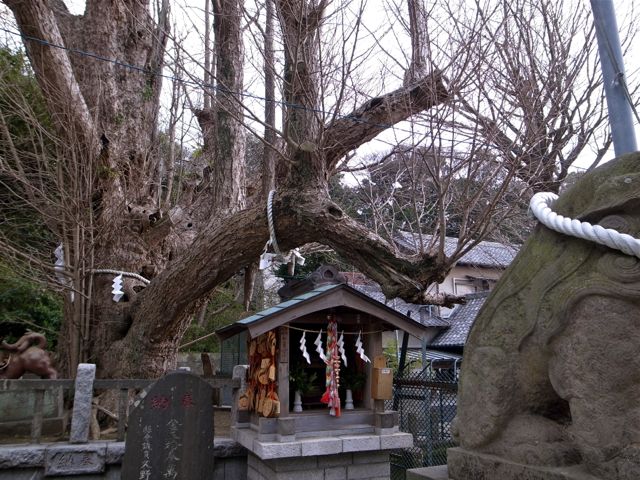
column 467, row 465
column 550, row 364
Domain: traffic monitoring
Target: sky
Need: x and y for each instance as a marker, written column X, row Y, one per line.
column 376, row 22
column 189, row 14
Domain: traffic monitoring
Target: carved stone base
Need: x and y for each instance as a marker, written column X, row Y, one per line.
column 468, row 465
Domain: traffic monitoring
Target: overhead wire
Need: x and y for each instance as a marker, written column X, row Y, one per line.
column 196, row 83
column 620, row 76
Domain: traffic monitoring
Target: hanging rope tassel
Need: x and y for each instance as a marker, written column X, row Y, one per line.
column 331, row 395
column 267, row 258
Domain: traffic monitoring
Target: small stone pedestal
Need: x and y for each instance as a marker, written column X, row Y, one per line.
column 468, row 465
column 283, row 455
column 342, row 466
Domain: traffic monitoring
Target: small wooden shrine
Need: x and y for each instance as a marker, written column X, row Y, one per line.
column 324, row 338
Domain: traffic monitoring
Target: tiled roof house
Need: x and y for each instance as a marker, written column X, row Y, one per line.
column 473, row 276
column 460, row 323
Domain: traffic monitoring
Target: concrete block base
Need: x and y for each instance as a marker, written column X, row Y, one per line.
column 467, row 465
column 312, row 446
column 343, row 466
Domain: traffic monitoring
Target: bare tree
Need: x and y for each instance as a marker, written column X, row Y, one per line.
column 473, row 136
column 538, row 100
column 109, row 114
column 526, row 101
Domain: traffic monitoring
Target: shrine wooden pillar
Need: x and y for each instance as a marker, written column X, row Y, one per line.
column 283, row 370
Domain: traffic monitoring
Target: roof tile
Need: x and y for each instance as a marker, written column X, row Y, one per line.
column 485, row 254
column 461, row 321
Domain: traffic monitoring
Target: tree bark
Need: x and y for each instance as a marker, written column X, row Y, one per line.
column 140, row 336
column 419, row 40
column 222, row 125
column 54, row 71
column 228, row 169
column 106, row 115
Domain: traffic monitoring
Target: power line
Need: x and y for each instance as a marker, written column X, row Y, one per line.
column 204, row 85
column 195, row 83
column 620, row 76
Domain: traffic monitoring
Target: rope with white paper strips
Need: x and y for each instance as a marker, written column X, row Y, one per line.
column 319, row 347
column 541, row 207
column 124, row 274
column 360, row 332
column 303, row 348
column 116, row 286
column 266, row 259
column 360, row 349
column 272, row 230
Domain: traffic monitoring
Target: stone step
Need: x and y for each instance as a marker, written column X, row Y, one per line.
column 471, row 465
column 428, row 473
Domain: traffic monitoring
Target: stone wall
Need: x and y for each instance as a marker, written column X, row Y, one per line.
column 193, row 362
column 100, row 461
column 17, row 413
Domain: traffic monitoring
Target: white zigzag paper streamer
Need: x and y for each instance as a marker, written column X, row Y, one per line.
column 343, row 355
column 319, row 349
column 360, row 350
column 303, row 348
column 59, row 269
column 116, row 288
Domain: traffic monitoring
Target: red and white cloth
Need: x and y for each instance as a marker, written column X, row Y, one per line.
column 332, row 359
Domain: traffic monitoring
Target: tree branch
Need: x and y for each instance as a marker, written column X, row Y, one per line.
column 300, row 217
column 398, row 275
column 347, row 133
column 53, row 70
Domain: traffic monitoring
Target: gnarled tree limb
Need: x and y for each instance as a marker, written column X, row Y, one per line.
column 300, row 217
column 53, row 69
column 378, row 114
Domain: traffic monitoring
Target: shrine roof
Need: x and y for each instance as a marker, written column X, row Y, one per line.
column 325, row 297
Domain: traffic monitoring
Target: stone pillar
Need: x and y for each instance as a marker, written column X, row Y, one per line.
column 81, row 417
column 239, row 417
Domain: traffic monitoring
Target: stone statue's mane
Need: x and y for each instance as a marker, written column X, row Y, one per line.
column 552, row 274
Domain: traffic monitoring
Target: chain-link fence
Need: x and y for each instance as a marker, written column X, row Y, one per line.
column 426, row 405
column 233, row 351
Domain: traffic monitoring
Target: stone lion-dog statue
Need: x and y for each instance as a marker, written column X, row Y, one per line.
column 551, row 373
column 26, row 355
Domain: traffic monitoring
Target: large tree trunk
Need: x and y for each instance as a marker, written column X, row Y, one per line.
column 112, row 111
column 222, row 124
column 106, row 115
